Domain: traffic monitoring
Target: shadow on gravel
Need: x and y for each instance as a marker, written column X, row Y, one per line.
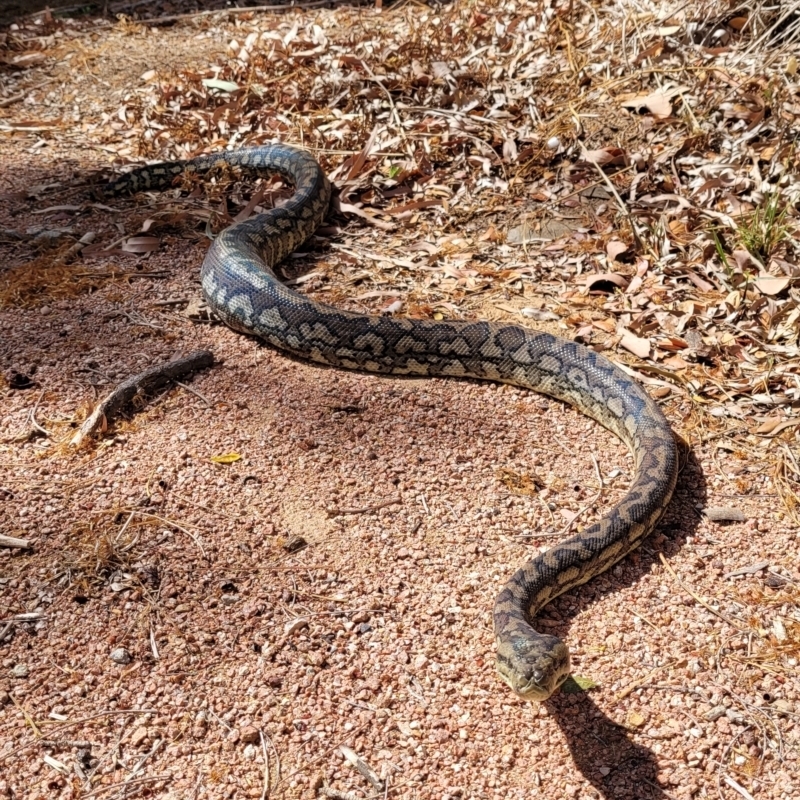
column 603, row 750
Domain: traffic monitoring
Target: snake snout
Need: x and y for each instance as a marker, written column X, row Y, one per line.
column 534, row 667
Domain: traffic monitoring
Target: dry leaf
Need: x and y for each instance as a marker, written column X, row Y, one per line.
column 225, row 458
column 636, row 345
column 517, row 483
column 657, row 104
column 673, row 343
column 772, row 426
column 724, row 514
column 608, row 325
column 769, row 425
column 416, row 205
column 28, row 59
column 750, row 569
column 369, row 216
column 771, row 285
column 575, row 684
column 509, row 151
column 676, row 362
column 393, row 307
column 745, row 261
column 613, row 156
column 539, row 314
column 140, row 244
column 615, row 248
column 653, row 51
column 599, row 282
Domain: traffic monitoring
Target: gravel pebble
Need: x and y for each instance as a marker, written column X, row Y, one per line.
column 120, row 655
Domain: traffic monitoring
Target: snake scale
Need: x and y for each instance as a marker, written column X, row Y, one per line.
column 241, row 287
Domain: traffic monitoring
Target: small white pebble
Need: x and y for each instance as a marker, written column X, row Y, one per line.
column 295, row 625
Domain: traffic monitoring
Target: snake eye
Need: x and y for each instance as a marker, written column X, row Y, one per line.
column 538, row 676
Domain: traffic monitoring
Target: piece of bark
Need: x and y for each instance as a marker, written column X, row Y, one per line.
column 142, row 383
column 11, row 541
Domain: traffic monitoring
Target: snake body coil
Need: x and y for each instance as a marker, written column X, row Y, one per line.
column 241, row 287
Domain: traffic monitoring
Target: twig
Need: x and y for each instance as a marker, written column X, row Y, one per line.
column 641, row 681
column 15, row 98
column 12, row 541
column 32, row 416
column 277, row 761
column 131, row 779
column 173, row 495
column 538, row 534
column 620, row 202
column 389, row 97
column 307, row 4
column 76, row 248
column 720, row 434
column 83, row 720
column 156, row 744
column 362, row 767
column 176, row 526
column 166, row 521
column 737, row 787
column 221, row 722
column 145, row 381
column 27, row 616
column 336, row 794
column 336, row 512
column 65, row 743
column 351, row 736
column 193, row 391
column 265, row 788
column 28, row 718
column 126, row 784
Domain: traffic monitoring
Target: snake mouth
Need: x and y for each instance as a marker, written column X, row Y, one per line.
column 536, row 688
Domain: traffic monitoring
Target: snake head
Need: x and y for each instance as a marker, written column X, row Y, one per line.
column 534, row 667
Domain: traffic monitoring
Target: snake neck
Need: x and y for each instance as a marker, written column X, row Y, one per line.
column 596, row 549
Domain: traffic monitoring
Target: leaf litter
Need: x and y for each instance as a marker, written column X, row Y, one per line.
column 622, row 175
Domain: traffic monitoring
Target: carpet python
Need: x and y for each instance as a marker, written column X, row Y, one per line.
column 241, row 287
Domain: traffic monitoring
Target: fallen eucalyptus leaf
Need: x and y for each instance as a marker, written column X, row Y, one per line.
column 575, row 684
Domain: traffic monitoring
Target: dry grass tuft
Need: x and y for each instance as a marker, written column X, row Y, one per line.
column 47, row 278
column 104, row 548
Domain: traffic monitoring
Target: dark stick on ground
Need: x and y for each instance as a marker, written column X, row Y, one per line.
column 140, row 384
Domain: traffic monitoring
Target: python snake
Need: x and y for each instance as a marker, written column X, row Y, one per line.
column 241, row 287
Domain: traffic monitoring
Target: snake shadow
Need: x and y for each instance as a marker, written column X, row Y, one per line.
column 603, row 751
